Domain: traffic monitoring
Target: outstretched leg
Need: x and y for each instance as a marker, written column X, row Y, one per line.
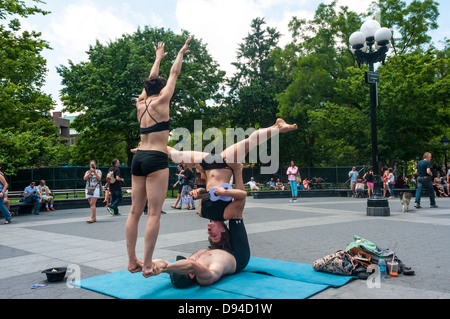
column 187, row 157
column 237, row 152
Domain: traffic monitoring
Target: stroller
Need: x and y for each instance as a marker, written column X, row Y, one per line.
column 360, row 192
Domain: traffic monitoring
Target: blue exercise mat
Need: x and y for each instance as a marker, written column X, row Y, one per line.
column 295, row 271
column 262, row 279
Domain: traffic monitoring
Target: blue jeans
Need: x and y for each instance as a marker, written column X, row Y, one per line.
column 4, row 210
column 116, row 199
column 391, row 188
column 34, row 198
column 293, row 188
column 425, row 182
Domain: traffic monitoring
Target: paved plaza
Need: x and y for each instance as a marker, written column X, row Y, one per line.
column 299, row 232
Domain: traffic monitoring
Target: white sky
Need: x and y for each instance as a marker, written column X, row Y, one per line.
column 73, row 25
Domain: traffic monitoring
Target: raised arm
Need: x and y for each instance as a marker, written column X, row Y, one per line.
column 160, row 54
column 205, row 275
column 175, row 71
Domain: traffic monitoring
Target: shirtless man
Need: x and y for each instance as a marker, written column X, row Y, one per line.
column 229, row 251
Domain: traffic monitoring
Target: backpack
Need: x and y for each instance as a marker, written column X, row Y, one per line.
column 110, row 177
column 338, row 263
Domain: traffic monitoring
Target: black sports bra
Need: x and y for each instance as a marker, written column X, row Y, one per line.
column 214, row 161
column 158, row 127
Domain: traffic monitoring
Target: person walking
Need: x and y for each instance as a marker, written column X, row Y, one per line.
column 353, row 175
column 292, row 173
column 93, row 178
column 424, row 179
column 115, row 188
column 5, row 211
column 368, row 177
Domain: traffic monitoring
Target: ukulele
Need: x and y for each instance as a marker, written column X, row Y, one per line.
column 213, row 197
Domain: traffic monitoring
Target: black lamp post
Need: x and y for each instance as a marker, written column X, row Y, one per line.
column 445, row 142
column 370, row 46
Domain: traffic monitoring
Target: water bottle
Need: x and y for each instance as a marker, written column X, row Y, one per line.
column 382, row 265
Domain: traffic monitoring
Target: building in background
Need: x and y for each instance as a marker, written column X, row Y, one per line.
column 64, row 129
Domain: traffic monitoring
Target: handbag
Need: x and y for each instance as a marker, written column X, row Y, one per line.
column 338, row 263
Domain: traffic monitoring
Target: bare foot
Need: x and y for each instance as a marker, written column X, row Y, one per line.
column 152, row 270
column 235, row 166
column 283, row 127
column 135, row 267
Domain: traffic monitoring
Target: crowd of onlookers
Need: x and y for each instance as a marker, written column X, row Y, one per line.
column 187, row 179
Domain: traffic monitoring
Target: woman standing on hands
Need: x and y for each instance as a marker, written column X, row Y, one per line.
column 149, row 169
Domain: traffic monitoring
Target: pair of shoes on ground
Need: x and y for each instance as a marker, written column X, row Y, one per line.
column 293, row 201
column 431, row 206
column 50, row 209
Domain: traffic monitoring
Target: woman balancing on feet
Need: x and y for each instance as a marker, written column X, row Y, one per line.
column 149, row 169
column 218, row 172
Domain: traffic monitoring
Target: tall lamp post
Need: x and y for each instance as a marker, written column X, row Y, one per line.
column 370, row 45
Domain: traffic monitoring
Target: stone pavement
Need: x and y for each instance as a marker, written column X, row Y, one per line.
column 300, row 232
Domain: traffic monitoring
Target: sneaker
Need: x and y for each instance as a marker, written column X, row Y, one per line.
column 47, row 209
column 52, row 209
column 291, row 200
column 110, row 210
column 417, row 205
column 434, row 206
column 295, row 201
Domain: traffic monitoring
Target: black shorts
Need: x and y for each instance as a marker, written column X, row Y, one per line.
column 239, row 243
column 213, row 210
column 147, row 162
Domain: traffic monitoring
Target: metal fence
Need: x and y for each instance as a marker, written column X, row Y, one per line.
column 72, row 177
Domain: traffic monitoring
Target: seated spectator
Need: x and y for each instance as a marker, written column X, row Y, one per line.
column 306, row 183
column 31, row 195
column 446, row 182
column 437, row 182
column 45, row 195
column 279, row 185
column 271, row 183
column 253, row 185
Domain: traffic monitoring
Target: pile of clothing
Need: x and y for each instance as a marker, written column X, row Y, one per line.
column 356, row 258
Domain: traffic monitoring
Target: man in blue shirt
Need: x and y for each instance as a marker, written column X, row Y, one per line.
column 31, row 195
column 353, row 175
column 424, row 179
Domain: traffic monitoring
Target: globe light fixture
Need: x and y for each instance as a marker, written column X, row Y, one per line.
column 383, row 36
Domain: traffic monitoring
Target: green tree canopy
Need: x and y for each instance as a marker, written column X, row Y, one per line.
column 26, row 126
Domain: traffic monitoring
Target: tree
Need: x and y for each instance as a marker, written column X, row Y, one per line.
column 26, row 126
column 410, row 23
column 254, row 86
column 104, row 89
column 328, row 97
column 315, row 63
